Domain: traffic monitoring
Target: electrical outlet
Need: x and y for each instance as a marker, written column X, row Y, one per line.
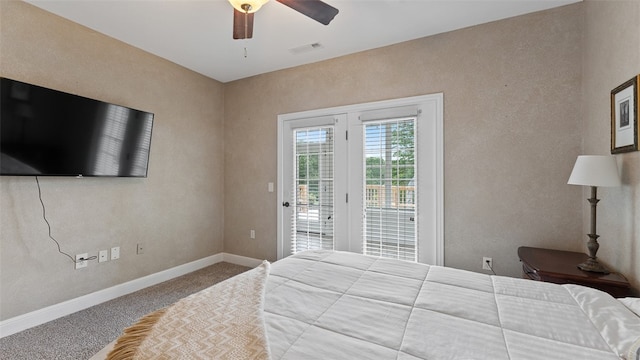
column 140, row 249
column 83, row 263
column 252, row 234
column 115, row 253
column 103, row 256
column 487, row 263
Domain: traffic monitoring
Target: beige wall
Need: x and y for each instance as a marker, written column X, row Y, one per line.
column 512, row 121
column 611, row 57
column 177, row 212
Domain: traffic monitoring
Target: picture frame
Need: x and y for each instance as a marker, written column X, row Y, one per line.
column 624, row 116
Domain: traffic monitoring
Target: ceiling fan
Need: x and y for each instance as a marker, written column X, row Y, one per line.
column 243, row 13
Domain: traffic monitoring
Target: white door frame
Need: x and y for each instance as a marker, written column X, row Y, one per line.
column 434, row 104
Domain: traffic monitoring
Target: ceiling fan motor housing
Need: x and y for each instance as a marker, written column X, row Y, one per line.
column 248, row 6
column 244, row 9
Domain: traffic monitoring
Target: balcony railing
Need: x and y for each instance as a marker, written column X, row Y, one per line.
column 400, row 197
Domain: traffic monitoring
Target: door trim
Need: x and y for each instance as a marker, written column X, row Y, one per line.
column 436, row 101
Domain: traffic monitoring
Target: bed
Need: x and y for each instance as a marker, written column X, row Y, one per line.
column 340, row 305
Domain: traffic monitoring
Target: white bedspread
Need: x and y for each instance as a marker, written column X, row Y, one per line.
column 338, row 305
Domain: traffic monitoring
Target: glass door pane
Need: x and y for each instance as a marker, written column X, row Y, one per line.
column 312, row 217
column 389, row 206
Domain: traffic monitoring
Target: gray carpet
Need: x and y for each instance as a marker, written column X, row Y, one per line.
column 83, row 334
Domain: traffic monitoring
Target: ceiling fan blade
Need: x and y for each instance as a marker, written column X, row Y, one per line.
column 242, row 25
column 315, row 9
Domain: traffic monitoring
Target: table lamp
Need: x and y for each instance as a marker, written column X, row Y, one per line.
column 594, row 171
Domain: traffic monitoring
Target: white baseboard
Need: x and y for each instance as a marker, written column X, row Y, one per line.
column 49, row 313
column 241, row 260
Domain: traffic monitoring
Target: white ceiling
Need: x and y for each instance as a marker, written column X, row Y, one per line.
column 197, row 34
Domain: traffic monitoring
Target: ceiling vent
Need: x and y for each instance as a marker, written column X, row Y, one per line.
column 306, row 48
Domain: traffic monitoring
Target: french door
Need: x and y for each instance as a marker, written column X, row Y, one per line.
column 314, row 168
column 365, row 178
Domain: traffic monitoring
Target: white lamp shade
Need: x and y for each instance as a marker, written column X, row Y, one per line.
column 595, row 170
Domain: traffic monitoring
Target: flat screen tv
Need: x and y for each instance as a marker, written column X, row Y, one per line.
column 51, row 133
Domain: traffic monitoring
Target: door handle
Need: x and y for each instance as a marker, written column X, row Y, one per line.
column 285, row 204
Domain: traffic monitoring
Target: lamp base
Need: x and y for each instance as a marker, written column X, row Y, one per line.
column 592, row 265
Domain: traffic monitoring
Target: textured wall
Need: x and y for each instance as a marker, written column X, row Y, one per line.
column 177, row 212
column 512, row 122
column 611, row 57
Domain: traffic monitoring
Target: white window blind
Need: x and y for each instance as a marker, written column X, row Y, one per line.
column 389, row 191
column 312, row 216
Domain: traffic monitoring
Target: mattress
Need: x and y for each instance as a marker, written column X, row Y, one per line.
column 340, row 305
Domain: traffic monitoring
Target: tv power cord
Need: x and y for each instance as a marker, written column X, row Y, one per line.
column 44, row 216
column 488, row 263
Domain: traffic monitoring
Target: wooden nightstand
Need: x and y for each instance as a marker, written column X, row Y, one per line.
column 560, row 267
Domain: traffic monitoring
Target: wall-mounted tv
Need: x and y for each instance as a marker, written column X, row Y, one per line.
column 46, row 132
